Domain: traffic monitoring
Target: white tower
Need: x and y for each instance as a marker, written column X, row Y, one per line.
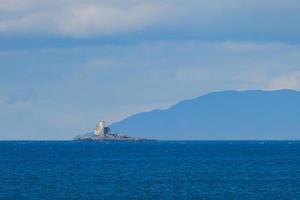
column 99, row 130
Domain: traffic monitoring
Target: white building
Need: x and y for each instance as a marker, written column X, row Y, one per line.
column 99, row 130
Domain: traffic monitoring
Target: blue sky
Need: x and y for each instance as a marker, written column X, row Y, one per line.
column 66, row 64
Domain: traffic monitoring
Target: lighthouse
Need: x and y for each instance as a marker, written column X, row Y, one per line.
column 99, row 130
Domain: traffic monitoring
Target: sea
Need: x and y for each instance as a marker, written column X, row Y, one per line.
column 47, row 170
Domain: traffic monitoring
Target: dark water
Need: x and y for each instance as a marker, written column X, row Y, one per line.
column 150, row 170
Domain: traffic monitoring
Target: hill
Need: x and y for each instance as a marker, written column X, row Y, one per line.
column 222, row 115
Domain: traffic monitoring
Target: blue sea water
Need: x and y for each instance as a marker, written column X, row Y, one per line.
column 150, row 170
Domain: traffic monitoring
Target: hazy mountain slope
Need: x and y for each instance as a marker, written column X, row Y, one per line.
column 222, row 115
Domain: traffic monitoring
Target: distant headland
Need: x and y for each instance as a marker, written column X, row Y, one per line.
column 103, row 133
column 224, row 115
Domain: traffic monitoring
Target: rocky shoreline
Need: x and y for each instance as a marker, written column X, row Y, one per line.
column 113, row 137
column 108, row 137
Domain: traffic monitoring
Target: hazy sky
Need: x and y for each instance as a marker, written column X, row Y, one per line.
column 66, row 64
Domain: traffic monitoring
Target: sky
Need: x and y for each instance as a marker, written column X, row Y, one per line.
column 66, row 64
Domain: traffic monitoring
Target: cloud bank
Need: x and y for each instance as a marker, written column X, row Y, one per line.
column 78, row 18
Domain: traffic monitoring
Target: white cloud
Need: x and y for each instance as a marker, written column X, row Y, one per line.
column 288, row 81
column 79, row 18
column 83, row 18
column 92, row 19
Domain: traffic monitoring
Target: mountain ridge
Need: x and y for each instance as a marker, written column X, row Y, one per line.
column 248, row 114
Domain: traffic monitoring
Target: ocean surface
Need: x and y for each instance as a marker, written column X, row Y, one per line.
column 150, row 170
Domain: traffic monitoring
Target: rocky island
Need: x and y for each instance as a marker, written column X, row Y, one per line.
column 103, row 133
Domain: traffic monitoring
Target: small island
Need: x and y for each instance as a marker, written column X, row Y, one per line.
column 103, row 133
